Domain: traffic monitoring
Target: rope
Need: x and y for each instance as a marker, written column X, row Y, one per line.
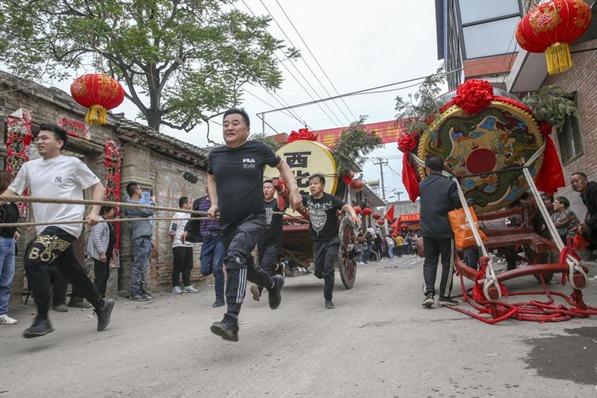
column 33, row 199
column 115, row 220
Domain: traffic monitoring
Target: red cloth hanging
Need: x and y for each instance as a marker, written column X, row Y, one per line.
column 551, row 176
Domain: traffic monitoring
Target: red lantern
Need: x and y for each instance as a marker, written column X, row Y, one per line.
column 357, row 209
column 380, row 222
column 99, row 93
column 357, row 185
column 377, row 216
column 550, row 27
column 367, row 211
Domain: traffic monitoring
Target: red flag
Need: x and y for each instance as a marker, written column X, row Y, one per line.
column 390, row 214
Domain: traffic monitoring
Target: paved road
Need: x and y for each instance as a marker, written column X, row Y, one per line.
column 378, row 342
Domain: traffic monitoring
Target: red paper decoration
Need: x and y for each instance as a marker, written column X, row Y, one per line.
column 377, row 216
column 357, row 209
column 367, row 211
column 347, row 178
column 550, row 27
column 99, row 93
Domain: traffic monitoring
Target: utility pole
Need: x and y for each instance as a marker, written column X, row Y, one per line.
column 381, row 162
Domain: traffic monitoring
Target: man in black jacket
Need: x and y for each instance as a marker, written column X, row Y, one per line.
column 588, row 193
column 439, row 195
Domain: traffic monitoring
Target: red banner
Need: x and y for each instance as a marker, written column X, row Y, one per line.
column 18, row 143
column 388, row 132
column 74, row 128
column 113, row 161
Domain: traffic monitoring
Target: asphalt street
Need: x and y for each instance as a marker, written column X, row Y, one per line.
column 377, row 342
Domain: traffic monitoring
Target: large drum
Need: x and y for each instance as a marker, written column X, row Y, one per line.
column 486, row 150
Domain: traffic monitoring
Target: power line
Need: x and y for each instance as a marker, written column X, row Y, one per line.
column 361, row 91
column 317, row 62
column 302, row 58
column 292, row 74
column 308, row 67
column 267, row 103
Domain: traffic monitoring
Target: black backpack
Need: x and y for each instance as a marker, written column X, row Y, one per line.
column 193, row 227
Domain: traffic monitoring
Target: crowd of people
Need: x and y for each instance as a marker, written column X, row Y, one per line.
column 244, row 214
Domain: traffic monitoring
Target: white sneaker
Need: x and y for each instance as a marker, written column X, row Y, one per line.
column 190, row 289
column 6, row 320
column 176, row 290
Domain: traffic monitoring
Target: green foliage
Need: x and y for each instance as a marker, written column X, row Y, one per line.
column 181, row 61
column 354, row 144
column 418, row 107
column 261, row 137
column 552, row 104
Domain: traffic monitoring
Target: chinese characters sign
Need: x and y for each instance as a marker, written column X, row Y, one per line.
column 388, row 132
column 74, row 128
column 113, row 162
column 306, row 158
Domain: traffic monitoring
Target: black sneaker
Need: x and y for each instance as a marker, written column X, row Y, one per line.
column 139, row 297
column 429, row 300
column 40, row 327
column 103, row 315
column 147, row 295
column 218, row 303
column 329, row 305
column 227, row 328
column 447, row 301
column 275, row 294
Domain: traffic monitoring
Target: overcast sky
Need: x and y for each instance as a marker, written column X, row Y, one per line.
column 359, row 45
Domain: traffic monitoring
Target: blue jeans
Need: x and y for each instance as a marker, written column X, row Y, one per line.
column 141, row 252
column 7, row 271
column 212, row 261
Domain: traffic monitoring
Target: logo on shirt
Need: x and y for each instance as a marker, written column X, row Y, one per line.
column 318, row 215
column 248, row 163
column 58, row 180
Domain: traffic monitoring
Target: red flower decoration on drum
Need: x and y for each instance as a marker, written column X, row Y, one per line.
column 474, row 95
column 303, row 134
column 407, row 143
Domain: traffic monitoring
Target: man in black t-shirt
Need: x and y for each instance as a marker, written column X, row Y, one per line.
column 324, row 229
column 235, row 178
column 269, row 244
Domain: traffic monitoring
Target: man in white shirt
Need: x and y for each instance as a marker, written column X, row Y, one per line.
column 58, row 177
column 182, row 252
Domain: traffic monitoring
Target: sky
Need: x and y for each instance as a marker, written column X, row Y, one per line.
column 359, row 45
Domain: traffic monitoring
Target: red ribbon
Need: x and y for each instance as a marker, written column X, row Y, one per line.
column 406, row 144
column 551, row 176
column 303, row 134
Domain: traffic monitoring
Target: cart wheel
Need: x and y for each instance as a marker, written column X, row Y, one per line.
column 535, row 259
column 347, row 256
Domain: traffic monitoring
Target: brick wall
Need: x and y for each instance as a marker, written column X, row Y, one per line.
column 156, row 161
column 582, row 78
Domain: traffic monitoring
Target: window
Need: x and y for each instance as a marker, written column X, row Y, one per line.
column 475, row 10
column 488, row 27
column 490, row 38
column 570, row 140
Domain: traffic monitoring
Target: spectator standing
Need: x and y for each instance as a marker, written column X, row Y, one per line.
column 399, row 245
column 182, row 251
column 100, row 247
column 9, row 213
column 141, row 233
column 212, row 248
